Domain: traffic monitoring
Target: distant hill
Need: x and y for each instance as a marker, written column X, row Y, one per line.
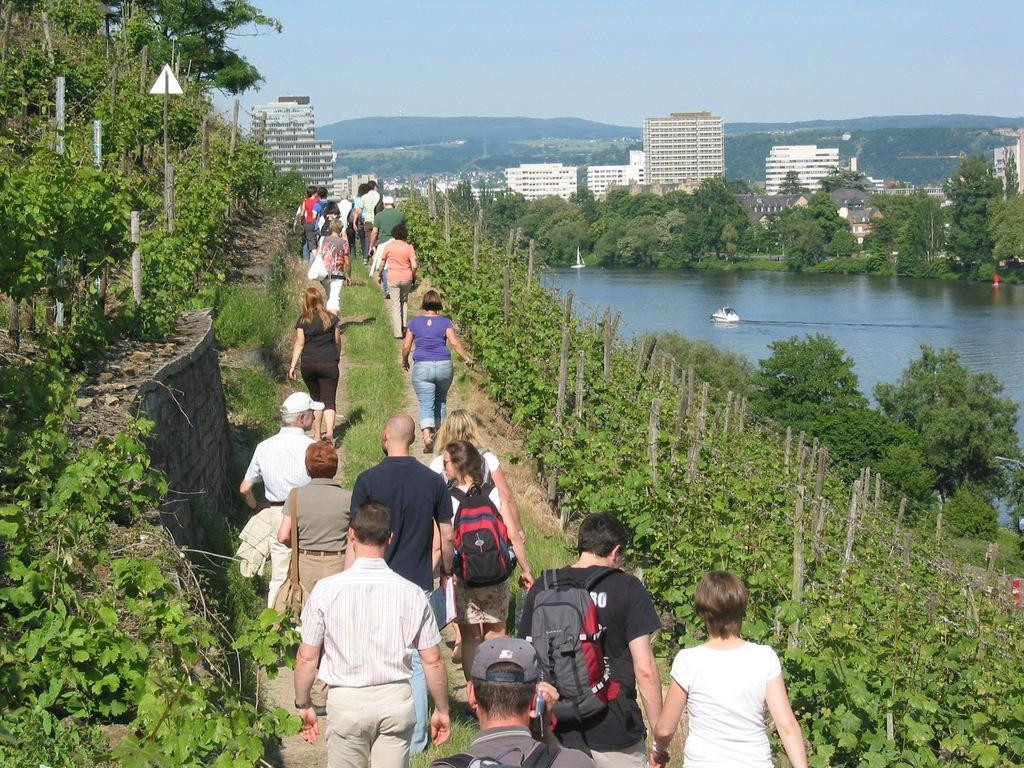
column 376, row 132
column 876, row 123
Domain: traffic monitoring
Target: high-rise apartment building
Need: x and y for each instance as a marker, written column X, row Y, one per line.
column 536, row 180
column 810, row 162
column 601, row 177
column 684, row 147
column 1000, row 157
column 288, row 136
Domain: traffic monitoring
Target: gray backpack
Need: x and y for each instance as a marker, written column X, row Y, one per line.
column 542, row 756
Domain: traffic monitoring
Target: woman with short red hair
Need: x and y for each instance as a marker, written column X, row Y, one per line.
column 321, row 512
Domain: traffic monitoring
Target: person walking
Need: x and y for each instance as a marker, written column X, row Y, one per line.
column 280, row 463
column 481, row 611
column 432, row 369
column 366, row 209
column 309, row 214
column 319, row 512
column 383, row 225
column 614, row 735
column 398, row 261
column 503, row 689
column 370, row 622
column 725, row 685
column 334, row 249
column 317, row 335
column 419, row 501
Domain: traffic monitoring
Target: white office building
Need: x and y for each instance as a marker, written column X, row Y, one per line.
column 288, row 136
column 601, row 177
column 685, row 147
column 536, row 180
column 810, row 162
column 1000, row 156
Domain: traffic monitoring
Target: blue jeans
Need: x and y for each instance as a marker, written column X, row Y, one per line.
column 431, row 380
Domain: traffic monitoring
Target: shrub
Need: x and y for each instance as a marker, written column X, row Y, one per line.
column 969, row 513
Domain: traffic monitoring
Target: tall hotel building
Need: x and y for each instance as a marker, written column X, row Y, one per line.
column 288, row 136
column 685, row 147
column 810, row 162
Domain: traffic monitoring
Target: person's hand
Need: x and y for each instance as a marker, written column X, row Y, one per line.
column 405, row 364
column 658, row 757
column 291, row 373
column 440, row 728
column 526, row 580
column 310, row 725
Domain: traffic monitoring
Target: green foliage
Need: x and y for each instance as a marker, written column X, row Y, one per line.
column 875, row 637
column 1007, row 226
column 791, row 184
column 844, row 178
column 971, row 191
column 249, row 317
column 808, row 371
column 729, row 370
column 968, row 513
column 960, row 416
column 251, row 393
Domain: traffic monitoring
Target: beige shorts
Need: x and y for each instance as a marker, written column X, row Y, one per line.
column 481, row 605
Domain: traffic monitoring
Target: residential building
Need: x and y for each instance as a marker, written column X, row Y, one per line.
column 810, row 162
column 1000, row 156
column 685, row 147
column 536, row 180
column 288, row 137
column 601, row 177
column 760, row 208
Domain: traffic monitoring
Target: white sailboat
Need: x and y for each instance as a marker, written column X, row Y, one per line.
column 579, row 260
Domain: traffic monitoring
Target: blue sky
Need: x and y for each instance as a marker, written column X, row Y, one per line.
column 618, row 62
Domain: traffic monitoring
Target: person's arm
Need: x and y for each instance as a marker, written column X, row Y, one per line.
column 518, row 541
column 648, row 676
column 447, row 546
column 435, row 553
column 785, row 721
column 373, row 237
column 508, row 501
column 284, row 530
column 665, row 727
column 305, row 673
column 412, row 262
column 300, row 342
column 406, row 349
column 252, row 474
column 453, row 339
column 437, row 684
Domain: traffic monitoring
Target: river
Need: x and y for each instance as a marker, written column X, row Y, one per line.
column 881, row 322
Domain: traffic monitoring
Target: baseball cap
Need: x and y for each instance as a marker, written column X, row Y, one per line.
column 389, row 200
column 506, row 649
column 297, row 402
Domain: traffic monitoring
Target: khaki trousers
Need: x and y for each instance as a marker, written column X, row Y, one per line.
column 312, row 568
column 371, row 724
column 280, row 556
column 398, row 306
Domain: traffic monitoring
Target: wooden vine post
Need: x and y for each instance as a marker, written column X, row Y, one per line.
column 204, row 156
column 851, row 525
column 789, row 443
column 610, row 325
column 234, row 128
column 432, row 198
column 654, row 427
column 447, row 220
column 581, row 359
column 563, row 360
column 477, row 234
column 529, row 266
column 797, row 594
column 901, row 513
column 698, row 438
column 507, row 294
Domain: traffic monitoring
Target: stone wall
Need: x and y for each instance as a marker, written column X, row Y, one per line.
column 190, row 440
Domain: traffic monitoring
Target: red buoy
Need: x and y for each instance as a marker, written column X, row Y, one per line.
column 995, row 280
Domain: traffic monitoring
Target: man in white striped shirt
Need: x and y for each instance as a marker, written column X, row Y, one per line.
column 369, row 621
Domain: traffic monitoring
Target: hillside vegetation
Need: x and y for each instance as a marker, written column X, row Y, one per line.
column 895, row 652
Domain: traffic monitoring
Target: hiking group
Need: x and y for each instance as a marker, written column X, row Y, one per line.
column 377, row 571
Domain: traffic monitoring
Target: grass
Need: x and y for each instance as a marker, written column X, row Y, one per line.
column 249, row 316
column 1009, row 557
column 251, row 395
column 376, row 382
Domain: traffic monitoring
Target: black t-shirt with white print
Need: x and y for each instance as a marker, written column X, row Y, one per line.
column 625, row 608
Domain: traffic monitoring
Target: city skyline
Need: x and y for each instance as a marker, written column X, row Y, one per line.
column 576, row 60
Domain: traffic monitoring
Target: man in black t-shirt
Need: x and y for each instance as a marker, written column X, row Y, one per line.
column 417, row 498
column 616, row 737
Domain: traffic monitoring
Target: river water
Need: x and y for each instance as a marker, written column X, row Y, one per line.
column 881, row 322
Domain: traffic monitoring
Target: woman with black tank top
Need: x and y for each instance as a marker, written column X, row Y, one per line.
column 316, row 342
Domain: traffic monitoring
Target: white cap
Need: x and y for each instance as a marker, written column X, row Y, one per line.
column 389, row 200
column 299, row 402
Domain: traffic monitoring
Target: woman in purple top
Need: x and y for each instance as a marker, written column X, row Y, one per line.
column 432, row 369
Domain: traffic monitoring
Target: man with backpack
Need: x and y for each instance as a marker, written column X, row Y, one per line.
column 591, row 625
column 307, row 212
column 367, row 206
column 505, row 690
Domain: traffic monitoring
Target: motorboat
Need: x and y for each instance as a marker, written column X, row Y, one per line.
column 725, row 315
column 579, row 260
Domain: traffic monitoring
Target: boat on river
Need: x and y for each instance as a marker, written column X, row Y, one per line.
column 725, row 315
column 579, row 260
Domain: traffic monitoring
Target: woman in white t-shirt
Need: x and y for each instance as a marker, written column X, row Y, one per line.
column 724, row 685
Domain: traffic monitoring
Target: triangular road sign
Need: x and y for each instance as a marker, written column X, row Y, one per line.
column 172, row 87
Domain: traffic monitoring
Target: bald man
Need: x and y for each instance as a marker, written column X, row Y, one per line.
column 418, row 499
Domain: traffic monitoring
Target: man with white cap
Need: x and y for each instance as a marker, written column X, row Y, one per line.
column 505, row 689
column 280, row 463
column 383, row 223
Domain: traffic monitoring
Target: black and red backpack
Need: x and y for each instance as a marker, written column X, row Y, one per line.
column 569, row 639
column 483, row 551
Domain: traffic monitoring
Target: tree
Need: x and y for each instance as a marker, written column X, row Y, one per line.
column 584, row 200
column 968, row 513
column 801, row 237
column 971, row 190
column 1012, row 175
column 812, row 371
column 1008, row 228
column 844, row 178
column 791, row 184
column 960, row 416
